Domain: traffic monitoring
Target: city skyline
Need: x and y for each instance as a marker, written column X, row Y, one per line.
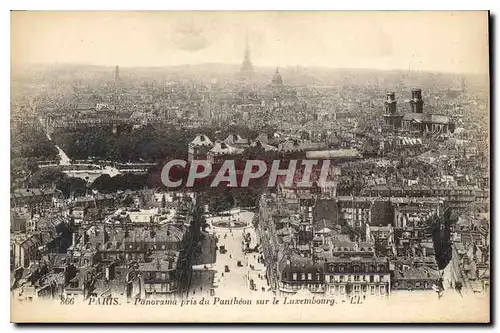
column 367, row 40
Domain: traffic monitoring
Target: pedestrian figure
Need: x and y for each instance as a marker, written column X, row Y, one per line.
column 437, row 289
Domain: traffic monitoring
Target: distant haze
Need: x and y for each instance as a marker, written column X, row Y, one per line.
column 454, row 42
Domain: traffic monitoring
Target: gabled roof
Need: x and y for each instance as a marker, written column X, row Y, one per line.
column 426, row 118
column 265, row 146
column 222, row 148
column 235, row 139
column 201, row 140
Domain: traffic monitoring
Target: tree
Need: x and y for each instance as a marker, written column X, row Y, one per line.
column 128, row 201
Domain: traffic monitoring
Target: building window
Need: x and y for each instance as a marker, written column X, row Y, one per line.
column 341, row 278
column 294, row 276
column 309, row 276
column 342, row 290
column 372, row 290
column 303, row 276
column 357, row 288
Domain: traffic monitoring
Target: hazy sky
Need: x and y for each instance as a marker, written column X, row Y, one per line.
column 436, row 41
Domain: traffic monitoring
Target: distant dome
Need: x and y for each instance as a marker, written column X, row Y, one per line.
column 277, row 79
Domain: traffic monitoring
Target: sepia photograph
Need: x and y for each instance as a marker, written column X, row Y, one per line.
column 250, row 167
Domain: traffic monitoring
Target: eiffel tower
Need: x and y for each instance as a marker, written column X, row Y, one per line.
column 246, row 66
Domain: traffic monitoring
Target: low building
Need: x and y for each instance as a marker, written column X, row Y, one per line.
column 296, row 272
column 32, row 197
column 199, row 147
column 362, row 276
column 161, row 277
column 415, row 278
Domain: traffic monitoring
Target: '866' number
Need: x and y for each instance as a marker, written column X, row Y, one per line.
column 67, row 301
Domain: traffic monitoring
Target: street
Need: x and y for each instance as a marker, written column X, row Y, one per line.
column 237, row 280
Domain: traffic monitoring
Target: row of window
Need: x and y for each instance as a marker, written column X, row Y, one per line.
column 302, row 276
column 160, row 287
column 357, row 268
column 139, row 246
column 296, row 287
column 157, row 276
column 356, row 210
column 359, row 288
column 357, row 278
column 408, row 284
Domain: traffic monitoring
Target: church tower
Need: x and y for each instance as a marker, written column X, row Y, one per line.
column 277, row 80
column 416, row 102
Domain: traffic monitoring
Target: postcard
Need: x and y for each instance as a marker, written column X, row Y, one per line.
column 265, row 167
